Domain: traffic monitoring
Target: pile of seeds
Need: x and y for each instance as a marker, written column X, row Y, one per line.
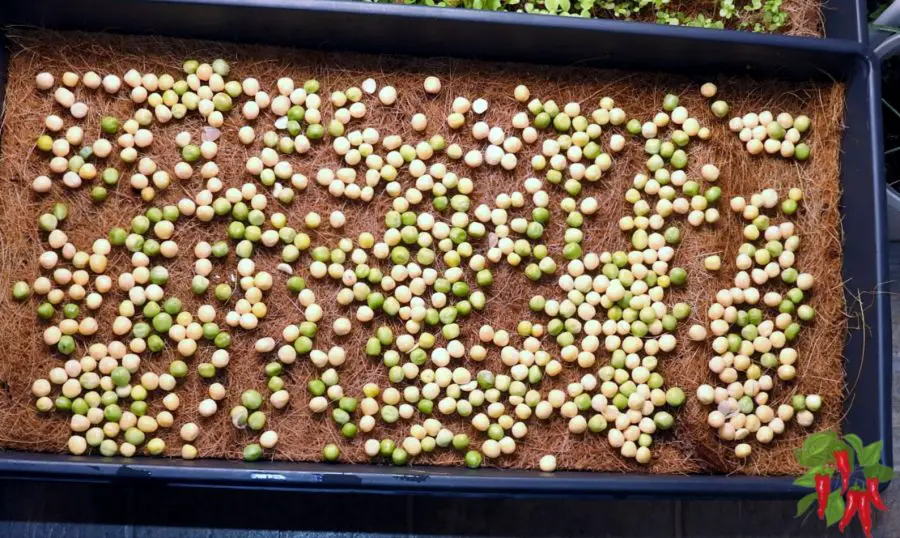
column 742, row 335
column 409, row 294
column 780, row 135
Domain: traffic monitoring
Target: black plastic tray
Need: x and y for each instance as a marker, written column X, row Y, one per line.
column 378, row 28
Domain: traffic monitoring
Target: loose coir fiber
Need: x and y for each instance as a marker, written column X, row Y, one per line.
column 691, row 446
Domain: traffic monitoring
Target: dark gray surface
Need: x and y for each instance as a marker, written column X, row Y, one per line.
column 39, row 510
column 36, row 509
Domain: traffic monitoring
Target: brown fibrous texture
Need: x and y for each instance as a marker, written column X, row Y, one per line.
column 690, row 447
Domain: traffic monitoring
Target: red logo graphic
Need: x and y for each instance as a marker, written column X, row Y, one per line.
column 845, row 475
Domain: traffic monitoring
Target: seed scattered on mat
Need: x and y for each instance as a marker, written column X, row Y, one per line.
column 410, row 293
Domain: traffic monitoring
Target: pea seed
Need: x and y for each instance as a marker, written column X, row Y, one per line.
column 252, row 452
column 331, row 452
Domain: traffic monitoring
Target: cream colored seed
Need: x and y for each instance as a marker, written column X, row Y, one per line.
column 387, row 95
column 548, row 463
column 432, row 85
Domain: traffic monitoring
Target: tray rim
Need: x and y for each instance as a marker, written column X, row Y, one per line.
column 385, row 479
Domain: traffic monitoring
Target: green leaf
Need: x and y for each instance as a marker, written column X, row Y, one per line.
column 818, row 448
column 565, row 5
column 814, row 440
column 552, row 5
column 854, row 441
column 835, row 508
column 807, row 479
column 801, row 459
column 726, row 9
column 871, row 454
column 804, row 503
column 882, row 472
column 818, row 459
